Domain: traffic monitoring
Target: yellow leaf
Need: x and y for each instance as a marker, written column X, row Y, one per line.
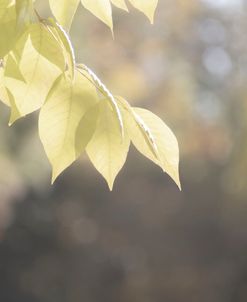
column 120, row 4
column 38, row 57
column 167, row 153
column 101, row 9
column 64, row 11
column 63, row 127
column 148, row 7
column 107, row 150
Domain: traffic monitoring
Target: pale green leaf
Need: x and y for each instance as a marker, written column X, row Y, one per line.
column 64, row 129
column 167, row 153
column 7, row 27
column 104, row 91
column 4, row 4
column 64, row 11
column 3, row 92
column 38, row 57
column 107, row 150
column 120, row 4
column 66, row 45
column 146, row 132
column 148, row 7
column 24, row 13
column 101, row 9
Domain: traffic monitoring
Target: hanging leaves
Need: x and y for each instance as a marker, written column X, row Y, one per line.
column 37, row 57
column 77, row 111
column 64, row 10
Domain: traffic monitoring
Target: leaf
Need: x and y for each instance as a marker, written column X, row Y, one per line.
column 63, row 127
column 3, row 92
column 38, row 58
column 67, row 46
column 146, row 132
column 4, row 4
column 101, row 9
column 64, row 11
column 148, row 7
column 167, row 146
column 120, row 4
column 7, row 27
column 24, row 13
column 107, row 150
column 106, row 93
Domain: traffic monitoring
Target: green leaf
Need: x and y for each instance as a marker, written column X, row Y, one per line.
column 38, row 58
column 104, row 91
column 64, row 129
column 148, row 7
column 120, row 4
column 101, row 9
column 64, row 11
column 66, row 44
column 7, row 27
column 3, row 92
column 24, row 13
column 107, row 150
column 167, row 152
column 146, row 132
column 4, row 5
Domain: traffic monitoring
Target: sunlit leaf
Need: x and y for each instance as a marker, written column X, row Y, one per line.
column 3, row 92
column 120, row 4
column 107, row 150
column 24, row 13
column 148, row 7
column 64, row 129
column 167, row 154
column 66, row 44
column 64, row 11
column 104, row 91
column 146, row 132
column 7, row 27
column 101, row 9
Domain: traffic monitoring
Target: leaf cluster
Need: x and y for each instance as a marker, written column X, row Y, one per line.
column 78, row 113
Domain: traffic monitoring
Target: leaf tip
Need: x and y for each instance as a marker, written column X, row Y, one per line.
column 112, row 32
column 110, row 185
column 13, row 118
column 55, row 174
column 175, row 177
column 53, row 179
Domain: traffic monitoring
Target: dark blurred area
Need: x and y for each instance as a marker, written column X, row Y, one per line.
column 146, row 241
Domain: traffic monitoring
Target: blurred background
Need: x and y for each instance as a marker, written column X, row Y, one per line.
column 146, row 241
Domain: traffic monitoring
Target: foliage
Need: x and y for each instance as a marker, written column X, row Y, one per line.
column 77, row 111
